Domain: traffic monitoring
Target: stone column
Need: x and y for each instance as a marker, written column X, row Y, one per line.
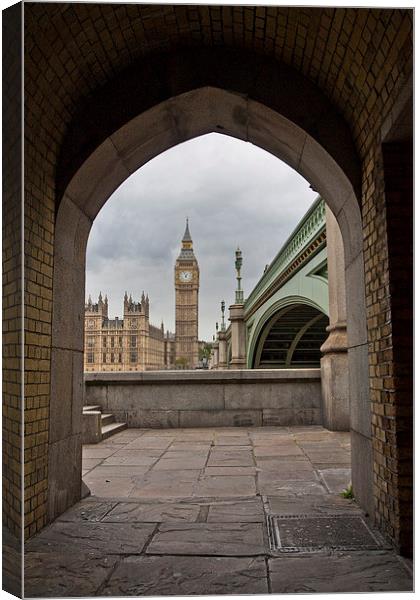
column 236, row 317
column 215, row 361
column 222, row 350
column 334, row 363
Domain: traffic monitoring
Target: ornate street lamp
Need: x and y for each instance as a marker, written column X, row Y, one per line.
column 222, row 325
column 239, row 294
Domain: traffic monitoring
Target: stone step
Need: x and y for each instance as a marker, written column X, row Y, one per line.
column 107, row 419
column 112, row 429
column 92, row 407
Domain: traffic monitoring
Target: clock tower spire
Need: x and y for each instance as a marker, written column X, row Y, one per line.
column 187, row 280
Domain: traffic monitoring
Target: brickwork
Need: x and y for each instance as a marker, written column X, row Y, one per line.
column 359, row 58
column 397, row 374
column 12, row 274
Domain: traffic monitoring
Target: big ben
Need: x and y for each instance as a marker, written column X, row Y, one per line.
column 187, row 281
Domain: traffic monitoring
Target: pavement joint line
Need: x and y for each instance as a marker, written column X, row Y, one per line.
column 108, row 577
column 267, row 569
column 114, row 505
column 150, row 538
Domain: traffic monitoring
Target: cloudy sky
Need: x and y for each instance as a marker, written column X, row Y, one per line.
column 234, row 195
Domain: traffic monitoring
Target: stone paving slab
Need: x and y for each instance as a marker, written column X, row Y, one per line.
column 90, row 537
column 150, row 443
column 230, row 456
column 182, row 446
column 109, row 487
column 290, row 488
column 321, row 466
column 222, row 539
column 280, row 450
column 65, row 574
column 106, row 471
column 87, row 511
column 241, row 485
column 336, row 480
column 167, row 484
column 326, row 456
column 91, row 463
column 230, row 471
column 243, row 511
column 99, row 452
column 312, row 504
column 181, row 576
column 232, row 441
column 372, row 571
column 283, row 464
column 157, row 512
column 171, row 464
column 133, row 459
column 267, row 476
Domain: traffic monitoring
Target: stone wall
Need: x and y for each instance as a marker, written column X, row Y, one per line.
column 209, row 399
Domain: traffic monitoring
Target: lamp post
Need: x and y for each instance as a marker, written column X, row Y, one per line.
column 239, row 294
column 222, row 325
column 237, row 319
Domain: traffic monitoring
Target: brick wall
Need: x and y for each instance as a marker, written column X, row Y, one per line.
column 396, row 370
column 359, row 58
column 12, row 272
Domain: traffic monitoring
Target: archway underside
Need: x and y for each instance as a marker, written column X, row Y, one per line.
column 292, row 339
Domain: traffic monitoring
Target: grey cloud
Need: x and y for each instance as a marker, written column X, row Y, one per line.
column 234, row 194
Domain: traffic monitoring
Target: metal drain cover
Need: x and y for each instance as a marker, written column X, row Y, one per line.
column 305, row 533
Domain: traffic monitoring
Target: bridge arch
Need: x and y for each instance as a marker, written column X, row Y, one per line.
column 274, row 311
column 165, row 124
column 291, row 338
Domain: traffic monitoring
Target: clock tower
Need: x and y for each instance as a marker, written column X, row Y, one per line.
column 187, row 280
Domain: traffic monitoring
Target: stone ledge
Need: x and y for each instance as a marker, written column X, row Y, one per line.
column 196, row 377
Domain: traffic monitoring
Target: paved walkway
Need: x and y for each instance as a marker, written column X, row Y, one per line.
column 214, row 511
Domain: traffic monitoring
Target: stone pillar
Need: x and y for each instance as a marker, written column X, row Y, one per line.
column 236, row 317
column 334, row 363
column 222, row 350
column 215, row 361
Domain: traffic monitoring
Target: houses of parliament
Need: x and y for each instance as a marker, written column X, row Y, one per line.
column 133, row 343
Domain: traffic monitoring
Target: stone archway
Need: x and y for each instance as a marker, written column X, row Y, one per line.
column 179, row 118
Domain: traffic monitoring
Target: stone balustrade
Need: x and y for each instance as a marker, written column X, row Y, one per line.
column 257, row 397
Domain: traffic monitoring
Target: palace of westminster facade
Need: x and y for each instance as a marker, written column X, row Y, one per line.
column 133, row 343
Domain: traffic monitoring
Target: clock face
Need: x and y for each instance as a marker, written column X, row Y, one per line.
column 185, row 276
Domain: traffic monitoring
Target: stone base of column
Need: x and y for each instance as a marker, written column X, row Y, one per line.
column 335, row 381
column 237, row 363
column 237, row 319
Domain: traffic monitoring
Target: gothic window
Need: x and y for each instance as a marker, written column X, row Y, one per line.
column 112, row 357
column 90, row 341
column 104, row 342
column 90, row 357
column 120, row 341
column 133, row 341
column 119, row 357
column 104, row 357
column 133, row 356
column 112, row 341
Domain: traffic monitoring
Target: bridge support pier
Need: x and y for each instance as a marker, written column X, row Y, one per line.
column 237, row 318
column 215, row 356
column 222, row 350
column 334, row 363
